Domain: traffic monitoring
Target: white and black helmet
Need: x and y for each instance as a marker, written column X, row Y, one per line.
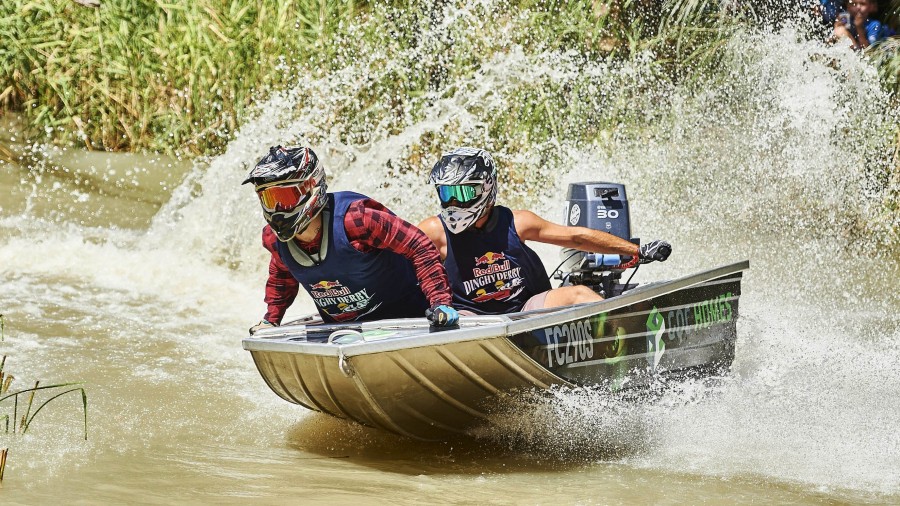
column 466, row 182
column 290, row 184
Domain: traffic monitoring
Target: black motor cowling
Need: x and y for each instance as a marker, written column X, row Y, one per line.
column 599, row 206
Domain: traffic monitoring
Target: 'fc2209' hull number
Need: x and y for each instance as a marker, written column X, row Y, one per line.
column 571, row 342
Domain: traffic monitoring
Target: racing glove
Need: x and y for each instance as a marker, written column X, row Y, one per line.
column 441, row 315
column 263, row 324
column 655, row 250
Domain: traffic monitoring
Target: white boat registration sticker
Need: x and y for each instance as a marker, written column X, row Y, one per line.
column 571, row 342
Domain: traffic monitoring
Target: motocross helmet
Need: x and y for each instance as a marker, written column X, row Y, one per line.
column 291, row 187
column 466, row 182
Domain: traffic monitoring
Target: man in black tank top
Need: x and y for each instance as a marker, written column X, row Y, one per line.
column 482, row 244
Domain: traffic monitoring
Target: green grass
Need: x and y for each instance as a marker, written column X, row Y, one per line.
column 180, row 77
column 886, row 56
column 413, row 56
column 144, row 74
column 21, row 425
column 13, row 423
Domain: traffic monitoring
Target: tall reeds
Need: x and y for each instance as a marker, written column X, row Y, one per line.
column 147, row 74
column 180, row 77
column 13, row 423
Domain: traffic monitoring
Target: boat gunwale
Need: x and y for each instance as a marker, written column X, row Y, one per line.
column 284, row 342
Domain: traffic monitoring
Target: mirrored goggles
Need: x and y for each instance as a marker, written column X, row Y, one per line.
column 464, row 195
column 283, row 197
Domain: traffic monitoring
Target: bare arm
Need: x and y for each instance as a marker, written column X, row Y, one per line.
column 435, row 231
column 862, row 36
column 532, row 227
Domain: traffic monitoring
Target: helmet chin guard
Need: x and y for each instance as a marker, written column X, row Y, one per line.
column 288, row 224
column 290, row 184
column 459, row 219
column 465, row 167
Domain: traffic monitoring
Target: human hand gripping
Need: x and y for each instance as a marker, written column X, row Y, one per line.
column 263, row 324
column 442, row 315
column 655, row 250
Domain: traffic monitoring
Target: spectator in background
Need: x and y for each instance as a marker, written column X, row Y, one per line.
column 858, row 24
column 828, row 10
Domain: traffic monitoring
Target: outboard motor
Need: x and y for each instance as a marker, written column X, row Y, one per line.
column 600, row 206
column 604, row 207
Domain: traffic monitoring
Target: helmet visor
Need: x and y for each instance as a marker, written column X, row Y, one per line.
column 462, row 195
column 282, row 198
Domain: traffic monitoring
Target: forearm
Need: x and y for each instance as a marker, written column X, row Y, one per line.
column 281, row 290
column 586, row 239
column 281, row 286
column 430, row 272
column 397, row 235
column 862, row 35
column 532, row 227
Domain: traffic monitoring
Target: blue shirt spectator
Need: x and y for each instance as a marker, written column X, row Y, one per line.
column 829, row 10
column 856, row 24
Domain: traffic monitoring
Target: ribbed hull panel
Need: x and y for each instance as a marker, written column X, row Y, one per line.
column 425, row 393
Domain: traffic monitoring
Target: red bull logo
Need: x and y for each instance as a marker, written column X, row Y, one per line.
column 325, row 285
column 489, row 258
column 327, row 288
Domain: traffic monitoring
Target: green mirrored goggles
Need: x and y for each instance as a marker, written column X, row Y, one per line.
column 463, row 194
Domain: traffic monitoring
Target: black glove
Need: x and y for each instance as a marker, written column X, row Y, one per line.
column 263, row 324
column 655, row 250
column 441, row 315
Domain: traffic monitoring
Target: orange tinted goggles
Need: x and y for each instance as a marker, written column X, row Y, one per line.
column 282, row 198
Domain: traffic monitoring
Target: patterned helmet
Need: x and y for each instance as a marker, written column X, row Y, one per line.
column 466, row 182
column 291, row 187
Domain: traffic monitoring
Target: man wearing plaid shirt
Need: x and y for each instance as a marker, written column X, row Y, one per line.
column 356, row 259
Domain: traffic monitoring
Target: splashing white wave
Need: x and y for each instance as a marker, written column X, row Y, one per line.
column 764, row 163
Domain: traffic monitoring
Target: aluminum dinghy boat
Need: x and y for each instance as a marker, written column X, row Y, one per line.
column 406, row 377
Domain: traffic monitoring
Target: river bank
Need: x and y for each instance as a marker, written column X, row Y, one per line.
column 152, row 78
column 180, row 79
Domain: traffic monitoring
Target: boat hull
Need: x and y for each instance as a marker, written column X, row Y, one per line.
column 688, row 331
column 424, row 392
column 408, row 378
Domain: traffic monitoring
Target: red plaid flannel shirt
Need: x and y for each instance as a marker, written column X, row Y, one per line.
column 369, row 226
